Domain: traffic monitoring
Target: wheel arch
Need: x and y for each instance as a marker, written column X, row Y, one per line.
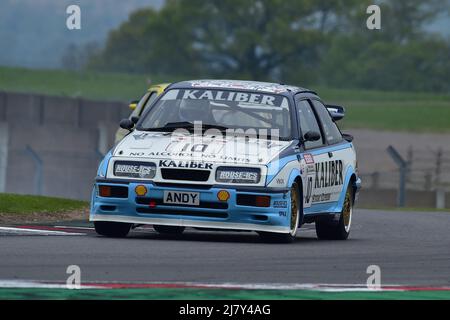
column 295, row 177
column 350, row 180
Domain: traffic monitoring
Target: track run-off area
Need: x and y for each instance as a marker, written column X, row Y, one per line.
column 411, row 249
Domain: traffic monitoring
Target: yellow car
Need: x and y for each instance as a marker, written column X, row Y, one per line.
column 139, row 106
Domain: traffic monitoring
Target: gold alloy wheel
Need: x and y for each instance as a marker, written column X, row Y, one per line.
column 347, row 211
column 294, row 210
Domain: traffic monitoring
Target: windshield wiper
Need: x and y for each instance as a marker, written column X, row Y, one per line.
column 170, row 126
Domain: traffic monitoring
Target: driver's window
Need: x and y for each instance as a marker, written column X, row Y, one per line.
column 308, row 122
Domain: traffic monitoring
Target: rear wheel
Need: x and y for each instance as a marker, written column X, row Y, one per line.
column 112, row 229
column 294, row 220
column 329, row 229
column 172, row 230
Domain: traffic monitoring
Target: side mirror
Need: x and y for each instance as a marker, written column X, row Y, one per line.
column 133, row 104
column 347, row 137
column 126, row 124
column 336, row 112
column 312, row 136
column 135, row 119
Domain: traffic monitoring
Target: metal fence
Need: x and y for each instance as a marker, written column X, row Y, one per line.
column 427, row 170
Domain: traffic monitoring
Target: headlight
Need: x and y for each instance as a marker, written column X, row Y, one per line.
column 133, row 169
column 238, row 175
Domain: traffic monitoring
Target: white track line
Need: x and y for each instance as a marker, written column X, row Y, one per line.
column 104, row 285
column 38, row 231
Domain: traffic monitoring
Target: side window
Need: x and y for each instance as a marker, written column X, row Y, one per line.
column 149, row 102
column 138, row 111
column 308, row 122
column 330, row 129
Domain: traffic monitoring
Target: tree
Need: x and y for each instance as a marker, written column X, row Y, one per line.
column 252, row 39
column 295, row 41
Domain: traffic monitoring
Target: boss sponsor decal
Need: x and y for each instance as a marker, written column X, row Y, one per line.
column 329, row 174
column 185, row 164
column 217, row 95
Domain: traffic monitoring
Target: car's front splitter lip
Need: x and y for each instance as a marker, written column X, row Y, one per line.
column 189, row 223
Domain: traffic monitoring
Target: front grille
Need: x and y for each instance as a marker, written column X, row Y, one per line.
column 182, row 185
column 203, row 204
column 222, row 215
column 185, row 174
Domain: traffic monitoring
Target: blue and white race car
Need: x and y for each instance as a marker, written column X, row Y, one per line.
column 233, row 155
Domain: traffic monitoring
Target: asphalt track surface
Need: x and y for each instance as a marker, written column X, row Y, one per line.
column 411, row 248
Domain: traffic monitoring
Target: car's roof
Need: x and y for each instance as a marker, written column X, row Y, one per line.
column 267, row 87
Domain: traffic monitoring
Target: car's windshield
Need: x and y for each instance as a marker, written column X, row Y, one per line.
column 221, row 109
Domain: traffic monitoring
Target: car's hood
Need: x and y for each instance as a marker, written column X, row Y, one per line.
column 228, row 150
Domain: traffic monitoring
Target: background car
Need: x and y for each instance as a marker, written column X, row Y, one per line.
column 138, row 106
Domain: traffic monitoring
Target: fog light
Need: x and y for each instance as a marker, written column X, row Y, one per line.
column 140, row 190
column 223, row 195
column 262, row 201
column 104, row 191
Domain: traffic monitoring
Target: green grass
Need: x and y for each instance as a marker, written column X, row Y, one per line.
column 398, row 111
column 98, row 86
column 23, row 204
column 213, row 294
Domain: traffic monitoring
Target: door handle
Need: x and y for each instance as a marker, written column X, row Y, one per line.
column 330, row 154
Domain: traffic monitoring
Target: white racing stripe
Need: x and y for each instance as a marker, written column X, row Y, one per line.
column 38, row 231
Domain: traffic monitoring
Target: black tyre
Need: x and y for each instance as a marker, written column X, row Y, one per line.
column 112, row 229
column 172, row 230
column 296, row 208
column 330, row 229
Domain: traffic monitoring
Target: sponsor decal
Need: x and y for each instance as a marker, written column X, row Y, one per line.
column 185, row 164
column 280, row 204
column 310, row 168
column 248, row 85
column 321, row 197
column 329, row 174
column 134, row 169
column 217, row 95
column 309, row 158
column 141, row 136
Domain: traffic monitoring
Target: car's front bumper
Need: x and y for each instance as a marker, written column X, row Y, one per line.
column 211, row 213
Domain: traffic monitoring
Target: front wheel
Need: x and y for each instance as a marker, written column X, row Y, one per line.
column 112, row 229
column 294, row 221
column 327, row 229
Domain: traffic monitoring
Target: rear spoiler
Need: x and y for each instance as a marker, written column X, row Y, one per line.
column 336, row 112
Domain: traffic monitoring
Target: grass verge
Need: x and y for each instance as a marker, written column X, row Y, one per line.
column 16, row 208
